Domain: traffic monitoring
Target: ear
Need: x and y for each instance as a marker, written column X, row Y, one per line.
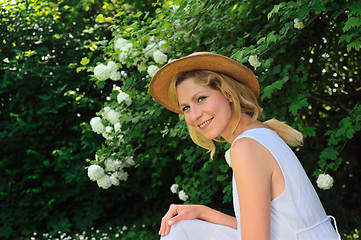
column 230, row 99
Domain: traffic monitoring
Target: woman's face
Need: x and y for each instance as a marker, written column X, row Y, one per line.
column 205, row 109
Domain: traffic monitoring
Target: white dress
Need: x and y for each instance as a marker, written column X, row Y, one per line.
column 296, row 214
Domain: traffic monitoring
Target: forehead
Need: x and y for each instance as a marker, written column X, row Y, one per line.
column 191, row 88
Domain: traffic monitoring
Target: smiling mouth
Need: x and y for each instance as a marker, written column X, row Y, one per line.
column 205, row 123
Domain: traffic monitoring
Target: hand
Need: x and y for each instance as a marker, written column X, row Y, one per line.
column 178, row 213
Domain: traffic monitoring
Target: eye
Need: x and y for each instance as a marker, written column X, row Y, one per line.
column 185, row 108
column 202, row 98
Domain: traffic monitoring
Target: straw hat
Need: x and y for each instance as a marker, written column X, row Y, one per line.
column 199, row 61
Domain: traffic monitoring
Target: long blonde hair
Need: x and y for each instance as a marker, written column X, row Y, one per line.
column 244, row 101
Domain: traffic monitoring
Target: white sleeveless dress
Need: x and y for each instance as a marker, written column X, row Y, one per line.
column 296, row 214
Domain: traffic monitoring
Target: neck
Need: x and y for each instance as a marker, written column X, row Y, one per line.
column 245, row 123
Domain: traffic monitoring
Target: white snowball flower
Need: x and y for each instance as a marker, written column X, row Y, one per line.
column 297, row 24
column 108, row 132
column 112, row 66
column 105, row 112
column 159, row 57
column 227, row 156
column 113, row 116
column 182, row 195
column 324, row 181
column 122, row 96
column 142, row 66
column 152, row 70
column 104, row 182
column 115, row 76
column 95, row 172
column 121, row 175
column 97, row 126
column 110, row 165
column 174, row 188
column 162, row 46
column 120, row 43
column 129, row 161
column 101, row 72
column 149, row 49
column 114, row 180
column 253, row 60
column 117, row 127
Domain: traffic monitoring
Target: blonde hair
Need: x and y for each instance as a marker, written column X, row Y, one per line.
column 244, row 101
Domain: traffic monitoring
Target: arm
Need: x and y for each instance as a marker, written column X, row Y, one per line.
column 253, row 170
column 178, row 213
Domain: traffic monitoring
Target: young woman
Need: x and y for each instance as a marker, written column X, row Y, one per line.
column 272, row 196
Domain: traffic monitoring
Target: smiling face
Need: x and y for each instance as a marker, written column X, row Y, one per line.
column 205, row 109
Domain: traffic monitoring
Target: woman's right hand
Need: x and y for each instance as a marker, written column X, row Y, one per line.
column 178, row 213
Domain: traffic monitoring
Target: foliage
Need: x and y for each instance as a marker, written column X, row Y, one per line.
column 309, row 62
column 309, row 72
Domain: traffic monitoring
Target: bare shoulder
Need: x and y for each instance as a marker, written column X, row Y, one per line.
column 247, row 153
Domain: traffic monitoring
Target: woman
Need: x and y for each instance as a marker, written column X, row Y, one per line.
column 272, row 195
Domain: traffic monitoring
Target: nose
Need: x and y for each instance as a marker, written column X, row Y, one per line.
column 196, row 112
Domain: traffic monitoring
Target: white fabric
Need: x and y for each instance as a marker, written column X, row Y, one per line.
column 296, row 214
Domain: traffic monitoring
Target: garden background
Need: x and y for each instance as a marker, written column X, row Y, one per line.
column 306, row 54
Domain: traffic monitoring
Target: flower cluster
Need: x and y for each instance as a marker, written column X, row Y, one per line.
column 297, row 24
column 103, row 72
column 133, row 57
column 253, row 60
column 112, row 173
column 181, row 194
column 108, row 167
column 227, row 156
column 324, row 181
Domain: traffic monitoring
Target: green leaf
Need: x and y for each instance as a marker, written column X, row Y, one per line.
column 84, row 61
column 352, row 22
column 269, row 90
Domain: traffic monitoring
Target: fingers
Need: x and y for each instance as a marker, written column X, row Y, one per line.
column 166, row 222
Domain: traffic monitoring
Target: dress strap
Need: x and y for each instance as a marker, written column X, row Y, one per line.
column 335, row 224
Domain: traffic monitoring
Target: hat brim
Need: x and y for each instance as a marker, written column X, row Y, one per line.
column 199, row 61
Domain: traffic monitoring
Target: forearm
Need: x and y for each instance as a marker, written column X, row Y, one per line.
column 210, row 215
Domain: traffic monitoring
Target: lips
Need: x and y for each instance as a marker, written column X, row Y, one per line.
column 203, row 124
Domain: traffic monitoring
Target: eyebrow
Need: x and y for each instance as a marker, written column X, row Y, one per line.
column 193, row 97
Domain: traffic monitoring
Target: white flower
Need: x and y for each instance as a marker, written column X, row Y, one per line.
column 253, row 60
column 107, row 134
column 152, row 70
column 227, row 156
column 159, row 57
column 113, row 116
column 122, row 96
column 101, row 72
column 297, row 24
column 182, row 195
column 110, row 165
column 114, row 180
column 95, row 172
column 121, row 175
column 97, row 126
column 117, row 127
column 129, row 161
column 105, row 112
column 174, row 188
column 115, row 76
column 162, row 46
column 142, row 66
column 104, row 182
column 149, row 50
column 112, row 66
column 324, row 181
column 120, row 43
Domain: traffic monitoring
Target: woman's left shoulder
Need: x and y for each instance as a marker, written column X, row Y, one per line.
column 247, row 153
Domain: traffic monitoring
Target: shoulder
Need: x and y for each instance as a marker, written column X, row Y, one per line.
column 248, row 154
